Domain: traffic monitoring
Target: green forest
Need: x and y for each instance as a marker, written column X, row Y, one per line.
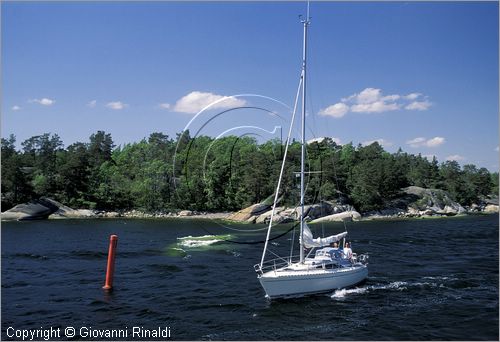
column 161, row 173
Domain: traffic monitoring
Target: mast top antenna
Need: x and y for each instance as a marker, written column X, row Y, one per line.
column 307, row 20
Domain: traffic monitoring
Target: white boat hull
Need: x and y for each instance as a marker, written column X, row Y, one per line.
column 297, row 283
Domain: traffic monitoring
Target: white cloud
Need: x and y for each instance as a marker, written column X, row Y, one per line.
column 117, row 105
column 44, row 101
column 337, row 140
column 195, row 101
column 496, row 149
column 423, row 142
column 381, row 142
column 16, row 108
column 419, row 105
column 455, row 157
column 374, row 107
column 436, row 141
column 337, row 110
column 412, row 96
column 372, row 100
column 320, row 139
column 416, row 142
column 92, row 103
column 391, row 98
column 164, row 105
column 368, row 95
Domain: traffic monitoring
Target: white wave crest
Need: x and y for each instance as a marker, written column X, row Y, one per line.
column 197, row 243
column 343, row 292
column 396, row 285
column 441, row 278
column 202, row 237
column 201, row 241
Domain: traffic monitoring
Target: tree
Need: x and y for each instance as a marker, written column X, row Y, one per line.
column 484, row 182
column 74, row 169
column 348, row 159
column 16, row 185
column 494, row 183
column 113, row 189
column 365, row 193
column 476, row 183
column 224, row 174
column 40, row 152
column 100, row 148
column 160, row 145
column 452, row 179
column 151, row 191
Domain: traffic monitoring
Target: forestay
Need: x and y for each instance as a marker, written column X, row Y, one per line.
column 310, row 241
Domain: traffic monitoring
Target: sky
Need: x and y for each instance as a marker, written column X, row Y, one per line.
column 422, row 76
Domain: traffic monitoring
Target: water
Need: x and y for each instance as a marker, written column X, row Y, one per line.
column 428, row 280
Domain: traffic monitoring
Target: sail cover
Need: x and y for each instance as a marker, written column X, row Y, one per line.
column 310, row 241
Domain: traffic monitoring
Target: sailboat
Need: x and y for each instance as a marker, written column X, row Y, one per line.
column 331, row 267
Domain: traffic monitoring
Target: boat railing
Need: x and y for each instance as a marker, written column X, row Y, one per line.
column 274, row 264
column 362, row 258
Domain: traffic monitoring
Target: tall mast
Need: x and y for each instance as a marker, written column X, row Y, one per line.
column 303, row 150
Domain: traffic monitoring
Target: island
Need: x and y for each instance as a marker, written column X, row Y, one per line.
column 232, row 178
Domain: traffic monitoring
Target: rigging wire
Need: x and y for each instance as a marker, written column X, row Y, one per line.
column 250, row 242
column 337, row 184
column 293, row 242
column 282, row 167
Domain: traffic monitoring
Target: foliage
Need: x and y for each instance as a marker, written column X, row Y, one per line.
column 229, row 173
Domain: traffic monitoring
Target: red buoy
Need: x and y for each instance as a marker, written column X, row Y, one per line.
column 113, row 241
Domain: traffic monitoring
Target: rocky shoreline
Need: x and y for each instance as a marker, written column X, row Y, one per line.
column 47, row 208
column 184, row 214
column 414, row 202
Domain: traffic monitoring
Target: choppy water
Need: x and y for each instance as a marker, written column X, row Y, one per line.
column 429, row 279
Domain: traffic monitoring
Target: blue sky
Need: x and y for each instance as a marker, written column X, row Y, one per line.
column 422, row 76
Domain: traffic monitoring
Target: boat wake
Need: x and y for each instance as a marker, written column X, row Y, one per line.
column 201, row 241
column 397, row 285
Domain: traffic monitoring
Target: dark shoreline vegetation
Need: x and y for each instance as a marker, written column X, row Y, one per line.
column 203, row 174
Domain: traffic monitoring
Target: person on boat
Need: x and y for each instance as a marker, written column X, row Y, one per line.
column 347, row 251
column 335, row 252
